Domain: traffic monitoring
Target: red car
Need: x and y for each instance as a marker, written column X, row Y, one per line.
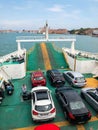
column 47, row 127
column 37, row 78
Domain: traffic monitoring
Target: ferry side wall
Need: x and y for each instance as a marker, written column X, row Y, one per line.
column 82, row 66
column 15, row 71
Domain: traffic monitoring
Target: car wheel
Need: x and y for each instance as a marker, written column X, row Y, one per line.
column 71, row 84
column 68, row 119
column 82, row 95
column 51, row 82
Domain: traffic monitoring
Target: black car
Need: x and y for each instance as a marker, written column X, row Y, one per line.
column 72, row 104
column 56, row 78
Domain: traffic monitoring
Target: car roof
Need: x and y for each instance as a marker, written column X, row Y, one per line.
column 69, row 93
column 42, row 95
column 37, row 73
column 76, row 74
column 56, row 72
column 47, row 126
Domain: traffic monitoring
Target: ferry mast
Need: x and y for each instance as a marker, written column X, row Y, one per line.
column 46, row 34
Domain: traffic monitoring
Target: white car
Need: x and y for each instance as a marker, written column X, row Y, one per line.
column 74, row 78
column 91, row 96
column 43, row 108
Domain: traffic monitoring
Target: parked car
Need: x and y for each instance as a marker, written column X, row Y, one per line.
column 1, row 95
column 38, row 78
column 91, row 96
column 43, row 108
column 72, row 104
column 56, row 78
column 47, row 127
column 74, row 78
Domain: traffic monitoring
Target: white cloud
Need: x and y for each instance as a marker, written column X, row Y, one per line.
column 56, row 8
column 9, row 24
column 18, row 8
column 74, row 14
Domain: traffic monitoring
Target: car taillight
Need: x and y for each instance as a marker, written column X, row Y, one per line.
column 89, row 114
column 71, row 116
column 75, row 81
column 53, row 110
column 34, row 112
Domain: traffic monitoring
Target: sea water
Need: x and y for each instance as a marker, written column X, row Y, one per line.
column 8, row 43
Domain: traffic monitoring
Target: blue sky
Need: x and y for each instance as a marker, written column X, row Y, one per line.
column 32, row 14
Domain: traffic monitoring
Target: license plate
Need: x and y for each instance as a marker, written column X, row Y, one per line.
column 44, row 114
column 58, row 81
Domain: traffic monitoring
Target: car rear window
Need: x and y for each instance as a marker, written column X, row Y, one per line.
column 43, row 107
column 77, row 105
column 80, row 79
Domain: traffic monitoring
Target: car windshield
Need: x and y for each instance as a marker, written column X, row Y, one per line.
column 38, row 78
column 80, row 79
column 77, row 105
column 43, row 108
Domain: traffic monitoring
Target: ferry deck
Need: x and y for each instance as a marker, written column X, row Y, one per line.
column 16, row 114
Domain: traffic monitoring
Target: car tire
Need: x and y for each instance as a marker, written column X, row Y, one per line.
column 68, row 119
column 71, row 84
column 82, row 95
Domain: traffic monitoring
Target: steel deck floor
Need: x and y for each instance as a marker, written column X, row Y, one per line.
column 16, row 114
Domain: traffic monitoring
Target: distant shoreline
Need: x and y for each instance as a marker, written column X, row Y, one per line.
column 82, row 31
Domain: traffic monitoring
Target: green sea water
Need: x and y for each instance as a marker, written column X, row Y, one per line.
column 8, row 43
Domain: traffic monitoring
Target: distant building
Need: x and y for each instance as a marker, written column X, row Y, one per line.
column 53, row 31
column 95, row 32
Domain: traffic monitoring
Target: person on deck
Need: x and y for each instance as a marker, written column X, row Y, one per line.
column 24, row 88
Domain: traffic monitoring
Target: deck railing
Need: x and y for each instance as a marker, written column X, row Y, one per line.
column 43, row 38
column 85, row 54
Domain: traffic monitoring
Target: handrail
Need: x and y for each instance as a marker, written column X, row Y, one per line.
column 43, row 38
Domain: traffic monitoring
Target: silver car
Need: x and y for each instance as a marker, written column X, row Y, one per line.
column 74, row 78
column 91, row 96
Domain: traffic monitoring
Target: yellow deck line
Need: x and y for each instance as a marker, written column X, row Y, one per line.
column 62, row 123
column 91, row 82
column 80, row 127
column 45, row 56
